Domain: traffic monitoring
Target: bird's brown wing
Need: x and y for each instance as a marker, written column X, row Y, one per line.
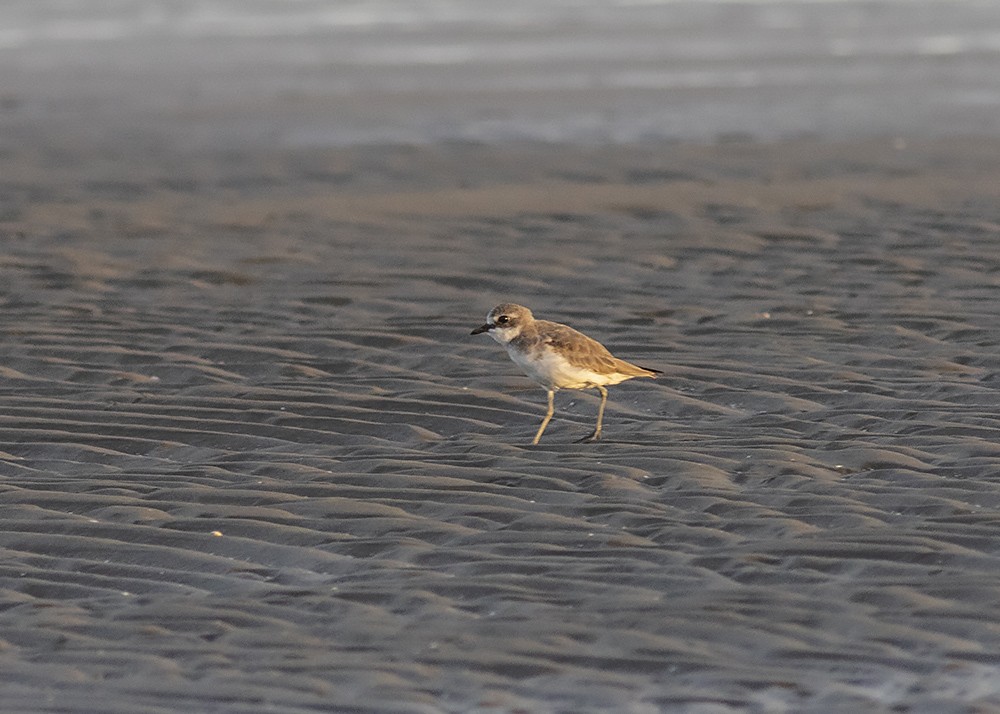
column 580, row 350
column 587, row 353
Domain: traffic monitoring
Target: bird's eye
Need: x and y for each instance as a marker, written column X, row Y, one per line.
column 503, row 320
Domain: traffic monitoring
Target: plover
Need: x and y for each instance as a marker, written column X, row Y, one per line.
column 558, row 357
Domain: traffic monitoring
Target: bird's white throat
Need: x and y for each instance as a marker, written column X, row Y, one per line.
column 503, row 335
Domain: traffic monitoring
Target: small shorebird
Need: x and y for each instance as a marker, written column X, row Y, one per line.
column 558, row 357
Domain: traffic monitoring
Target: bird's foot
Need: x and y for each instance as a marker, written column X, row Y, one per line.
column 590, row 437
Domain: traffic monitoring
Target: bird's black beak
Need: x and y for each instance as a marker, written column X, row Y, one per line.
column 483, row 328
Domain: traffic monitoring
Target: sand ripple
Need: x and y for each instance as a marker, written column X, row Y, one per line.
column 260, row 465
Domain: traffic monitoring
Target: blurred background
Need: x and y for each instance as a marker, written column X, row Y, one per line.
column 189, row 73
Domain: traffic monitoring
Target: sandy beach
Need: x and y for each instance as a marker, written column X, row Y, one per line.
column 251, row 459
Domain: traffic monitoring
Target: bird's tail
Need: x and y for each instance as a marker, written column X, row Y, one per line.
column 635, row 370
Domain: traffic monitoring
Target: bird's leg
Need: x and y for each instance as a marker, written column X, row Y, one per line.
column 548, row 417
column 600, row 417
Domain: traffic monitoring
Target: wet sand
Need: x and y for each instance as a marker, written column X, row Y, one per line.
column 251, row 459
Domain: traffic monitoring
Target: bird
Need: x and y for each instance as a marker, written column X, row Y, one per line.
column 558, row 357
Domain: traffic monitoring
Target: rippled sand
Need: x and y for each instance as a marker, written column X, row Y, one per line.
column 253, row 461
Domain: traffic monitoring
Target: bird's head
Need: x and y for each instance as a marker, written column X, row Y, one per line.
column 505, row 322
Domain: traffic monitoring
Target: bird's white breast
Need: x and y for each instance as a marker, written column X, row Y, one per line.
column 550, row 369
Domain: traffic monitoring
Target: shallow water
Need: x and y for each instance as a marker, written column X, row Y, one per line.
column 319, row 73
